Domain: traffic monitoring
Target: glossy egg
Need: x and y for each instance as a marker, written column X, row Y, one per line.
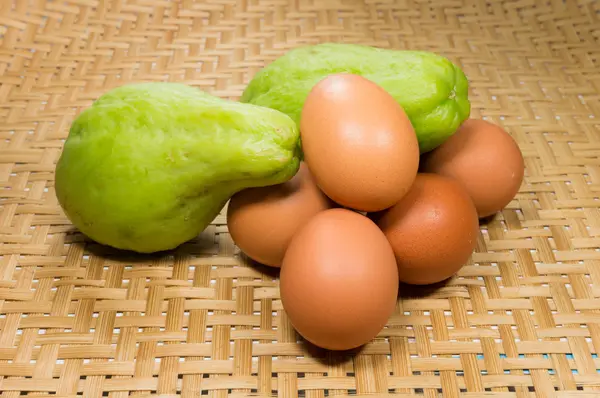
column 358, row 142
column 339, row 280
column 432, row 230
column 263, row 220
column 485, row 159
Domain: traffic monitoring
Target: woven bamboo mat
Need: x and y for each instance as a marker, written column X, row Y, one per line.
column 522, row 318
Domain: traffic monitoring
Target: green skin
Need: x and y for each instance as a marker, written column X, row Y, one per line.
column 148, row 166
column 431, row 89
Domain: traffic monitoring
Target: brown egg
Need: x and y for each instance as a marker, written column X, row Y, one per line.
column 339, row 280
column 432, row 230
column 262, row 220
column 358, row 142
column 485, row 159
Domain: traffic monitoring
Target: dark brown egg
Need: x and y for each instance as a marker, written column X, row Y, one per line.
column 432, row 230
column 485, row 159
column 358, row 142
column 339, row 280
column 263, row 220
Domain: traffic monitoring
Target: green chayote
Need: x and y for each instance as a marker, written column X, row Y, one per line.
column 430, row 88
column 148, row 166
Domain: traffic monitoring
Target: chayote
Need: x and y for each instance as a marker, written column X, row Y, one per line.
column 148, row 166
column 430, row 88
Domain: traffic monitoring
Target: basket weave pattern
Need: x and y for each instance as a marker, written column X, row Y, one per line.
column 521, row 318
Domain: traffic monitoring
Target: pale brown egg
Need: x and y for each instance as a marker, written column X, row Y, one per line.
column 485, row 159
column 358, row 142
column 339, row 280
column 263, row 220
column 432, row 230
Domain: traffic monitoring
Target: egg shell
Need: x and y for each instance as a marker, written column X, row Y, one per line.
column 485, row 159
column 432, row 230
column 358, row 142
column 339, row 280
column 263, row 220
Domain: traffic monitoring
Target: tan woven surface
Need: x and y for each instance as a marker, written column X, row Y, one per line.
column 522, row 318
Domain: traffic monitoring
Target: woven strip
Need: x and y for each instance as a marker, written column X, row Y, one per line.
column 522, row 318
